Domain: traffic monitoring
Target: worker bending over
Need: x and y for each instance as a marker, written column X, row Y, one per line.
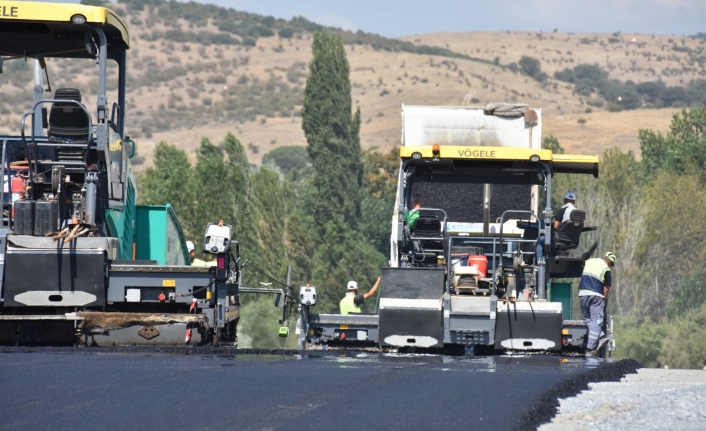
column 352, row 301
column 593, row 294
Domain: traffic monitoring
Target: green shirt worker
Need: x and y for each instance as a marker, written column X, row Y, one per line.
column 352, row 301
column 411, row 216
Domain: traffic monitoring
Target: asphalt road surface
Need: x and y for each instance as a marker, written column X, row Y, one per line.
column 191, row 389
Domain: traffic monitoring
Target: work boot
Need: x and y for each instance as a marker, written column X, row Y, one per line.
column 601, row 343
column 592, row 353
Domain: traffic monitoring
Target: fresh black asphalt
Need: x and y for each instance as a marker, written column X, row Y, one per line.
column 217, row 389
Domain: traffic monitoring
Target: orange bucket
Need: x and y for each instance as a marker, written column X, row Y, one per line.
column 480, row 262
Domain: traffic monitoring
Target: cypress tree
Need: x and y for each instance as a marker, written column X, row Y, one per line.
column 342, row 252
column 332, row 134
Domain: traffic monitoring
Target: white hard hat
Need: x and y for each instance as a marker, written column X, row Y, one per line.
column 190, row 246
column 352, row 285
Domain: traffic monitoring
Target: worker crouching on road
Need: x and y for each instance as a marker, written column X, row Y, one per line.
column 593, row 294
column 352, row 301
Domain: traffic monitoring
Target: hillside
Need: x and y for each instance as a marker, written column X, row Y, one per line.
column 200, row 70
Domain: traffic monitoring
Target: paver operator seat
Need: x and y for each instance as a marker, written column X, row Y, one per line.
column 569, row 233
column 68, row 124
column 67, row 121
column 427, row 235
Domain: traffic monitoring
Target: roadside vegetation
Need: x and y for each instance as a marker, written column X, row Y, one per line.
column 650, row 213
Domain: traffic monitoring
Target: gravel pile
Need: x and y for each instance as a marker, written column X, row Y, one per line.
column 545, row 407
column 652, row 399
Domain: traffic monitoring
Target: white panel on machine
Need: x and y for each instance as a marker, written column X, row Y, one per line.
column 450, row 125
column 132, row 295
column 307, row 295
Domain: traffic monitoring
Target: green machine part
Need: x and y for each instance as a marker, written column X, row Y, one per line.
column 121, row 222
column 561, row 292
column 159, row 236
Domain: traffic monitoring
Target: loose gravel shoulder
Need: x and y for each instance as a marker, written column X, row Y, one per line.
column 652, row 399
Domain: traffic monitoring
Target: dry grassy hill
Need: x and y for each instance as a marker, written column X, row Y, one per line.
column 182, row 89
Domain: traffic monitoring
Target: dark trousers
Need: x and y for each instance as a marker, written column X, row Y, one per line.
column 593, row 314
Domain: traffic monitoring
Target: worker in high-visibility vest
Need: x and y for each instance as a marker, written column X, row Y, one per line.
column 593, row 294
column 192, row 255
column 352, row 301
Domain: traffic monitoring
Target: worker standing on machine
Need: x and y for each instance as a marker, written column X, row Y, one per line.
column 352, row 301
column 593, row 294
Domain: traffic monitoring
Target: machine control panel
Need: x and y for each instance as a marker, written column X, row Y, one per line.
column 216, row 240
column 307, row 295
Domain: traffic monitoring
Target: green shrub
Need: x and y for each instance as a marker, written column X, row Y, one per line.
column 639, row 339
column 684, row 344
column 287, row 158
column 286, row 33
column 691, row 295
column 596, row 103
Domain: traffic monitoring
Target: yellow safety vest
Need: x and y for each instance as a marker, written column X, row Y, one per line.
column 348, row 305
column 593, row 276
column 198, row 262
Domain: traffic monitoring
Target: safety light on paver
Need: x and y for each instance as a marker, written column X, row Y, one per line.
column 78, row 19
column 435, row 149
column 534, row 158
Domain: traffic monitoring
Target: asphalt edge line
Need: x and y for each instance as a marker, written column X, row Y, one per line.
column 180, row 350
column 546, row 406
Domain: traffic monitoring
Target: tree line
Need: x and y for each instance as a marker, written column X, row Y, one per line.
column 237, row 27
column 592, row 81
column 589, row 79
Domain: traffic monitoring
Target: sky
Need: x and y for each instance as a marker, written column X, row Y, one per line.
column 395, row 18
